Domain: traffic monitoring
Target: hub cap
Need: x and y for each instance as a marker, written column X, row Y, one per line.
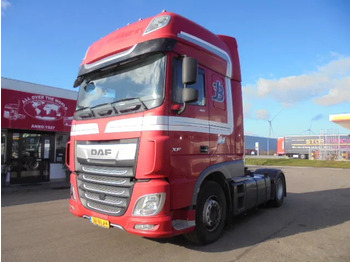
column 211, row 214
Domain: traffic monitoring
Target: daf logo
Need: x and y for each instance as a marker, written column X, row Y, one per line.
column 101, row 152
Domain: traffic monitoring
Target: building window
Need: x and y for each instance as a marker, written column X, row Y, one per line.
column 61, row 143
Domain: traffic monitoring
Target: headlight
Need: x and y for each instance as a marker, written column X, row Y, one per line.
column 149, row 205
column 157, row 23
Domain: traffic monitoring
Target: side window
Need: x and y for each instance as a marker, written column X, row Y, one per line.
column 178, row 86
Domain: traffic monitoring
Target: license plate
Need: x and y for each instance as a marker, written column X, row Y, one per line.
column 100, row 222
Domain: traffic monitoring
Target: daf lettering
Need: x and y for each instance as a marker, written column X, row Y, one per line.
column 101, row 152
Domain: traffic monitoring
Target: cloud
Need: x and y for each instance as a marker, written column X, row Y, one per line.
column 339, row 67
column 317, row 117
column 4, row 5
column 328, row 85
column 339, row 93
column 247, row 109
column 262, row 114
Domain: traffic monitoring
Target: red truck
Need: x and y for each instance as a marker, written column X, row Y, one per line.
column 157, row 142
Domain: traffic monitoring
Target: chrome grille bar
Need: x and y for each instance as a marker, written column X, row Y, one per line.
column 106, row 190
column 106, row 180
column 108, row 171
column 106, row 209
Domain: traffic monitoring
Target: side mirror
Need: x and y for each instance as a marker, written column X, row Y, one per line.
column 189, row 70
column 189, row 95
column 189, row 76
column 78, row 81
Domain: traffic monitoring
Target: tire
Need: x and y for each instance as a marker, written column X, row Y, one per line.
column 210, row 214
column 302, row 156
column 32, row 164
column 280, row 191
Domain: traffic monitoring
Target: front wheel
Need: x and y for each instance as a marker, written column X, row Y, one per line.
column 210, row 214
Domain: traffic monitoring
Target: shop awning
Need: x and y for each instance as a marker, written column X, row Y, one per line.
column 341, row 119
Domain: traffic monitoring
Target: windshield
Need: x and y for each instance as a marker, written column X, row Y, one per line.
column 142, row 79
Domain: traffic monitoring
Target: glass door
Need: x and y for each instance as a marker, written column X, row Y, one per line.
column 3, row 159
column 30, row 155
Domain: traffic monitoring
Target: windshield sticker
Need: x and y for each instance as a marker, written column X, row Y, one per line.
column 218, row 91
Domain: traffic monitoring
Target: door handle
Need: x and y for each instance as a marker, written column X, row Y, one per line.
column 204, row 149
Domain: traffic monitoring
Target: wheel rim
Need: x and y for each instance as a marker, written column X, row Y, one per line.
column 212, row 214
column 279, row 189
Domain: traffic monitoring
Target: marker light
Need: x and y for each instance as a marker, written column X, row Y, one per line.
column 157, row 23
column 149, row 205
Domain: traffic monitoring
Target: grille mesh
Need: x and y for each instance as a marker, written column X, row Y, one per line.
column 107, row 180
column 109, row 171
column 104, row 208
column 115, row 201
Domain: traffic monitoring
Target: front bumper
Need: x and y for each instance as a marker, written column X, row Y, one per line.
column 162, row 222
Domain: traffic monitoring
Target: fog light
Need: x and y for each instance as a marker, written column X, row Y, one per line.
column 149, row 205
column 144, row 227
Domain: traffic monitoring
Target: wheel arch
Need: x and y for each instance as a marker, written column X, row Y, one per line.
column 220, row 173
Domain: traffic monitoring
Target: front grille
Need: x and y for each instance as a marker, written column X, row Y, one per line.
column 108, row 195
column 106, row 181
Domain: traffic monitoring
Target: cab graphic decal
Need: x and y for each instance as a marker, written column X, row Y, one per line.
column 218, row 92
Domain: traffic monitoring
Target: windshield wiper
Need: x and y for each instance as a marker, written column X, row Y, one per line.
column 101, row 105
column 132, row 98
column 80, row 108
column 91, row 109
column 84, row 112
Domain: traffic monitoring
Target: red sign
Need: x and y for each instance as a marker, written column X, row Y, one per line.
column 22, row 110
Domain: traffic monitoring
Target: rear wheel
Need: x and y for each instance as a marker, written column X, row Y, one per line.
column 210, row 214
column 279, row 192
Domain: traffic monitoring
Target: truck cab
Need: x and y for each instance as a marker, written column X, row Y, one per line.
column 158, row 127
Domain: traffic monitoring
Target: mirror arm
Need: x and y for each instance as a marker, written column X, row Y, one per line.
column 183, row 106
column 182, row 109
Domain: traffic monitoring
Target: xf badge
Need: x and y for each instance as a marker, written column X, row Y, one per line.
column 177, row 149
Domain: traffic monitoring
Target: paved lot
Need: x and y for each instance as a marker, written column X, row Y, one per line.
column 312, row 225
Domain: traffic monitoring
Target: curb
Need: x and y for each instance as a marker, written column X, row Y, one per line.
column 12, row 189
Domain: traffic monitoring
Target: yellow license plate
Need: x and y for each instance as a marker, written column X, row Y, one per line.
column 100, row 222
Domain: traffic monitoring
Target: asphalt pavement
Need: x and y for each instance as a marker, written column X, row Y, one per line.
column 312, row 225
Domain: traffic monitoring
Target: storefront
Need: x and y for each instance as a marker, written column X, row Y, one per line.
column 35, row 126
